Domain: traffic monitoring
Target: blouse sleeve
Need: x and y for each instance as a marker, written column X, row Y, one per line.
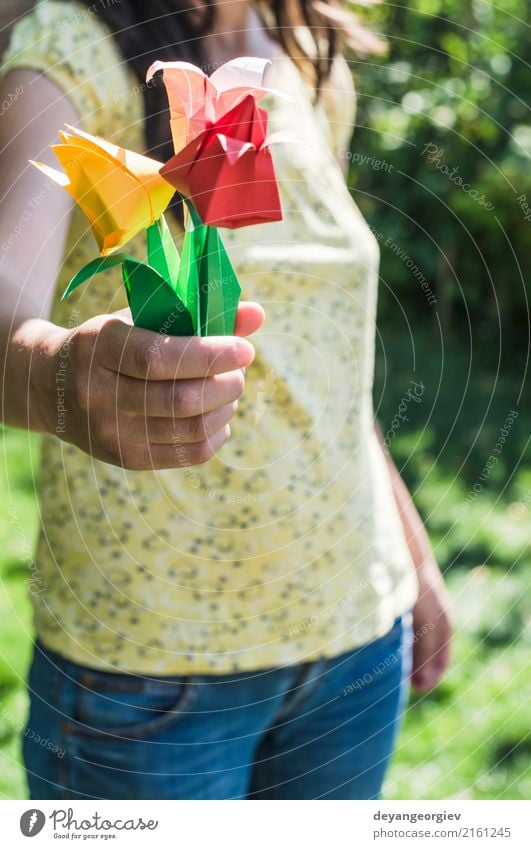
column 66, row 43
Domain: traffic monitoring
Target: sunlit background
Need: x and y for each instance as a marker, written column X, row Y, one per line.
column 440, row 166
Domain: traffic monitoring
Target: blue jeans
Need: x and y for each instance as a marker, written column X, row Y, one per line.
column 321, row 730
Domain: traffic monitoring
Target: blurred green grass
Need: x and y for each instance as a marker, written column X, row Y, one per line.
column 18, row 529
column 470, row 737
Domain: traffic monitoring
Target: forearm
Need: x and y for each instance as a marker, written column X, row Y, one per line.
column 30, row 263
column 28, row 350
column 414, row 530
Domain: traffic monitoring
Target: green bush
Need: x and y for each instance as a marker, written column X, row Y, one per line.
column 448, row 105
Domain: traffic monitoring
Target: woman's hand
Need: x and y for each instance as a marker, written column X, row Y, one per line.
column 127, row 396
column 138, row 399
column 432, row 628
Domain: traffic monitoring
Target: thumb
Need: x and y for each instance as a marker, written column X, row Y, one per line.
column 249, row 319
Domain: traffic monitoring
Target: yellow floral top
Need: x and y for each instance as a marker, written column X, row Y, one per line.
column 287, row 546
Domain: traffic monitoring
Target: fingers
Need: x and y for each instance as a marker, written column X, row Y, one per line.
column 155, row 456
column 249, row 319
column 178, row 399
column 168, row 431
column 142, row 354
column 151, row 401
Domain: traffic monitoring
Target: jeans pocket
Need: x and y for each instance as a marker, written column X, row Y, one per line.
column 127, row 707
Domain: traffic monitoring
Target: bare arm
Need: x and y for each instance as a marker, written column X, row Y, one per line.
column 136, row 398
column 431, row 617
column 33, row 227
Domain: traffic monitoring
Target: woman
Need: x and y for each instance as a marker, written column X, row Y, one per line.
column 215, row 619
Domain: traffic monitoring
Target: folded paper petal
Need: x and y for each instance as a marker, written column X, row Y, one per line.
column 245, row 121
column 120, row 192
column 228, row 194
column 197, row 101
column 228, row 171
column 243, row 72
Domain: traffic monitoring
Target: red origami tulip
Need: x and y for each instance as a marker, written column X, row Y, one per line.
column 222, row 160
column 227, row 170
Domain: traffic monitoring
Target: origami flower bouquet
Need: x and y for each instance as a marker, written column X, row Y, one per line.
column 224, row 172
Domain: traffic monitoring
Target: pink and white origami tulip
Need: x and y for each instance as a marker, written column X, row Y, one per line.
column 222, row 161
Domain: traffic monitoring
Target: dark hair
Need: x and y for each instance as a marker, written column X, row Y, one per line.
column 173, row 29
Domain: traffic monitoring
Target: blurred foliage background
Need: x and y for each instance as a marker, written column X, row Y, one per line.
column 451, row 100
column 451, row 94
column 456, row 80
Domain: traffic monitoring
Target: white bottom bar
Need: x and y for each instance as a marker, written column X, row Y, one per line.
column 267, row 825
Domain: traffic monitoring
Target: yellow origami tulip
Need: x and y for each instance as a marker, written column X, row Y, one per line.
column 121, row 192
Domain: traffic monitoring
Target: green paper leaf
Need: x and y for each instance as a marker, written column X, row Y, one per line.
column 207, row 282
column 96, row 266
column 154, row 305
column 187, row 287
column 219, row 288
column 162, row 253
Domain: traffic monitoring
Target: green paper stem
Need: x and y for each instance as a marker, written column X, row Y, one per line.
column 219, row 287
column 162, row 253
column 188, row 283
column 192, row 212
